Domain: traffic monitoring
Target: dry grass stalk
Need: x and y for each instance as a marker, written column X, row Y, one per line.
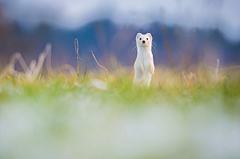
column 78, row 57
column 87, row 64
column 220, row 81
column 189, row 78
column 30, row 72
column 99, row 64
column 34, row 69
column 91, row 53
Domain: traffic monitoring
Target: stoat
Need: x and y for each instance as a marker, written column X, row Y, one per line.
column 144, row 65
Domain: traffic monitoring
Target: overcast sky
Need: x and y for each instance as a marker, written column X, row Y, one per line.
column 72, row 14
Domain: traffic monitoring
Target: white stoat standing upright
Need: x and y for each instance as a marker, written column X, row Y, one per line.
column 143, row 66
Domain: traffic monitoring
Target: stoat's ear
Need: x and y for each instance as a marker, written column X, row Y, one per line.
column 138, row 35
column 149, row 35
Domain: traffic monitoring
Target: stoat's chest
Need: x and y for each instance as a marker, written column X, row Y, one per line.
column 144, row 58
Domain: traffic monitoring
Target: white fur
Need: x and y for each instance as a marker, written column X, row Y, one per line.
column 143, row 66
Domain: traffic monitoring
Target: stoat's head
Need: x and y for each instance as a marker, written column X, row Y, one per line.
column 144, row 40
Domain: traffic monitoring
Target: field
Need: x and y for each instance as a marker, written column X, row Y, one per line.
column 60, row 115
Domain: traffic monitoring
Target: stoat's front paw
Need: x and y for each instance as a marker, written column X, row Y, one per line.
column 151, row 68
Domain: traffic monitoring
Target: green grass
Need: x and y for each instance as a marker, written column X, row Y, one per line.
column 120, row 91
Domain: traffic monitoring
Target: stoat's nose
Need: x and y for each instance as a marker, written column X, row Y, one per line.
column 143, row 41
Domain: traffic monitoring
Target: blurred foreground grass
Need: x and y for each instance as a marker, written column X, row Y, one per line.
column 62, row 116
column 166, row 86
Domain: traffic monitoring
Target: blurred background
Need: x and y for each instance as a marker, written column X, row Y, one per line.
column 44, row 117
column 185, row 32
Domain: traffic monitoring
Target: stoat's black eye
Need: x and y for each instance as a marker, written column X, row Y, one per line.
column 147, row 38
column 140, row 39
